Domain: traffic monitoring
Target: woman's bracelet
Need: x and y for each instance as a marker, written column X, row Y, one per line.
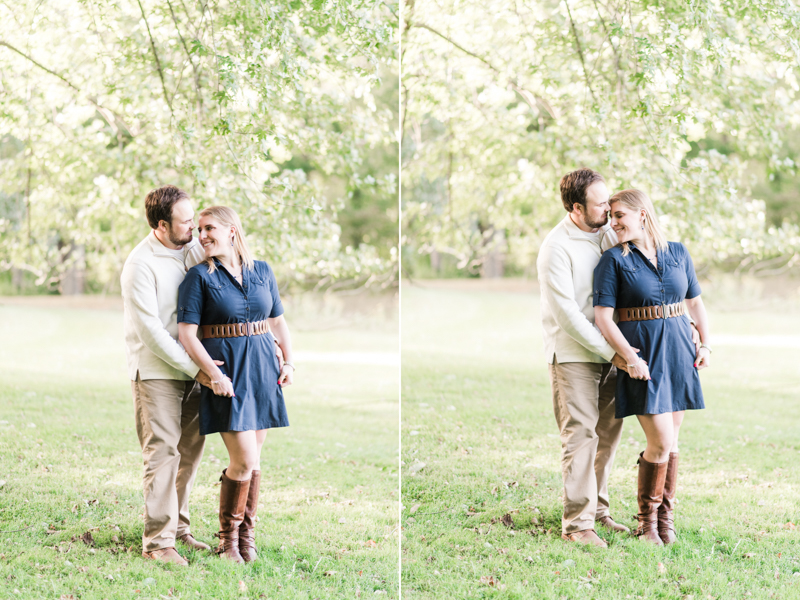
column 290, row 364
column 636, row 363
column 707, row 348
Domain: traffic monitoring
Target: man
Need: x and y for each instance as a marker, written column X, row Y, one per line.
column 582, row 364
column 165, row 395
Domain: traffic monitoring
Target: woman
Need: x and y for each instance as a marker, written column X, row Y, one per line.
column 235, row 301
column 647, row 280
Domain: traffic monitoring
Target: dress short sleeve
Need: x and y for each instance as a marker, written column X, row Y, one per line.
column 190, row 296
column 693, row 291
column 606, row 280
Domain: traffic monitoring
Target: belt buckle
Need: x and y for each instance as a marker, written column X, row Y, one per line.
column 249, row 328
column 664, row 311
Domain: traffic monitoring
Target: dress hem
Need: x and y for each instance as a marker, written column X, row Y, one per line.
column 277, row 426
column 661, row 412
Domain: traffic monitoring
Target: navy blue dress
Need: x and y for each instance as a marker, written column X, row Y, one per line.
column 666, row 344
column 217, row 298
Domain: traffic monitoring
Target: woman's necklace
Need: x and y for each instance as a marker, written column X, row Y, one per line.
column 236, row 276
column 653, row 258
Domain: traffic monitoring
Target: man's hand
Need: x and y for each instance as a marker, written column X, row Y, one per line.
column 204, row 379
column 620, row 362
column 696, row 339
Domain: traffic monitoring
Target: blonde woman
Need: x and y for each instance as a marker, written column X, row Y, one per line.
column 234, row 300
column 647, row 280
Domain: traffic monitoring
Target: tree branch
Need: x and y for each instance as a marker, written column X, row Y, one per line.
column 40, row 65
column 155, row 55
column 618, row 69
column 110, row 117
column 530, row 98
column 188, row 55
column 580, row 51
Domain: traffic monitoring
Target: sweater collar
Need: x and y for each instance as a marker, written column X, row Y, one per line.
column 160, row 250
column 576, row 233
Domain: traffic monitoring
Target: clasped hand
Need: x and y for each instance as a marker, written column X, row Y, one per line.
column 639, row 370
column 223, row 387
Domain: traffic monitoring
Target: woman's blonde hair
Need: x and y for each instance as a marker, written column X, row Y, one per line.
column 638, row 200
column 228, row 217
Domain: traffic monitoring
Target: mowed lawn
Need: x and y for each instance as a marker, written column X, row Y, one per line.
column 481, row 469
column 70, row 469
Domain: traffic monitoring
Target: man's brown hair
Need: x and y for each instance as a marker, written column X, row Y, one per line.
column 573, row 186
column 159, row 202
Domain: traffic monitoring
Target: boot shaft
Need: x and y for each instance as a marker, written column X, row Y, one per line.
column 247, row 534
column 651, row 492
column 652, row 477
column 232, row 503
column 251, row 507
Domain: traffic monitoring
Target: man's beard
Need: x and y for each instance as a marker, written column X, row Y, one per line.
column 593, row 224
column 173, row 238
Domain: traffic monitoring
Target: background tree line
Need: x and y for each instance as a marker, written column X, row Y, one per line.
column 284, row 110
column 696, row 103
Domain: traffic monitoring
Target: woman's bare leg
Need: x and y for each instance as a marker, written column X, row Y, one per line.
column 261, row 435
column 677, row 421
column 243, row 450
column 660, row 433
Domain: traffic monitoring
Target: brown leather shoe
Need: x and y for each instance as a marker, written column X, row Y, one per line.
column 188, row 540
column 666, row 512
column 232, row 501
column 247, row 535
column 587, row 536
column 612, row 525
column 651, row 492
column 167, row 555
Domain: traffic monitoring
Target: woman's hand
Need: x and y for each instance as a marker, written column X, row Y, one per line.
column 287, row 375
column 702, row 359
column 639, row 370
column 223, row 387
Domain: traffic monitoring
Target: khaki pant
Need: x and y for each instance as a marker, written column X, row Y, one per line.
column 583, row 402
column 168, row 426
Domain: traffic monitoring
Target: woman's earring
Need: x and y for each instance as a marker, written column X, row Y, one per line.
column 232, row 240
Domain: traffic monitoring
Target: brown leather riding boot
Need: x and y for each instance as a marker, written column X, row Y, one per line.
column 247, row 534
column 651, row 491
column 232, row 501
column 666, row 512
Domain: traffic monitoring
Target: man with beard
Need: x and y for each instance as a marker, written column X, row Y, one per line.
column 166, row 397
column 582, row 364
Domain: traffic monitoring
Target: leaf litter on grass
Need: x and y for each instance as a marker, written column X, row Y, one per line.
column 76, row 499
column 708, row 506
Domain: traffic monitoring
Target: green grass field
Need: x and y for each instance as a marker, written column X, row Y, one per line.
column 479, row 442
column 70, row 465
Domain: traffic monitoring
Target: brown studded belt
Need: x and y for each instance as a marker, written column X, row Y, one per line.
column 231, row 330
column 649, row 313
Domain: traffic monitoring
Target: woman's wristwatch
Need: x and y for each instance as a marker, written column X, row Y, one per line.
column 290, row 365
column 707, row 348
